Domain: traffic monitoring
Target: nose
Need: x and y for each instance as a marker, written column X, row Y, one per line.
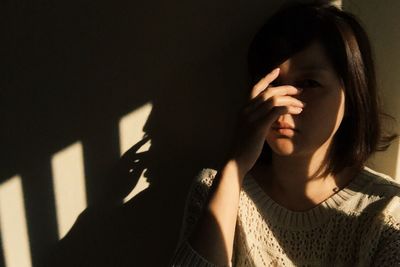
column 288, row 118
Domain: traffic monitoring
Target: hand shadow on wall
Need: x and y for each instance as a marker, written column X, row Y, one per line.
column 110, row 233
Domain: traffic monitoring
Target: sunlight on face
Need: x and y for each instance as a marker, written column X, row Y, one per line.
column 323, row 94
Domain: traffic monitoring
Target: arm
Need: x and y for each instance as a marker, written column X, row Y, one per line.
column 214, row 234
column 210, row 218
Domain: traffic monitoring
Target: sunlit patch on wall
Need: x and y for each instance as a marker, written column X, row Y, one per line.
column 13, row 224
column 69, row 186
column 130, row 133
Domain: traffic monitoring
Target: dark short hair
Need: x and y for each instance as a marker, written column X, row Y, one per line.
column 290, row 30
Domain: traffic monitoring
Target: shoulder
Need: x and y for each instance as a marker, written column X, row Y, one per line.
column 380, row 178
column 196, row 199
column 386, row 190
column 380, row 183
column 201, row 184
column 206, row 176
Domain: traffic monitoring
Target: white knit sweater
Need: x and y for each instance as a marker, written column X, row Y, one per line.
column 357, row 226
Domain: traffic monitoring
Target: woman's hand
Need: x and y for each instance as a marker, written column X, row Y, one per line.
column 264, row 108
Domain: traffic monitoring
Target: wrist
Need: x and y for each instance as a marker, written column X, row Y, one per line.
column 233, row 164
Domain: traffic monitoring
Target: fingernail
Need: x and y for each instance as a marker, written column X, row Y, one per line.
column 298, row 110
column 276, row 70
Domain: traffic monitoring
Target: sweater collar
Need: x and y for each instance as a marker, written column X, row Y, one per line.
column 283, row 217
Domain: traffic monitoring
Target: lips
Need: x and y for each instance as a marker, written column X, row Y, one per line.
column 283, row 125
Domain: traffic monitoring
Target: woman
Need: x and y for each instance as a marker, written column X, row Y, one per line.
column 294, row 190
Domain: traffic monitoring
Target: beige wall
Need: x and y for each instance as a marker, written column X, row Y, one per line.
column 381, row 19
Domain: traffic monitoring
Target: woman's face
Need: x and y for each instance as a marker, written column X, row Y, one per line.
column 323, row 94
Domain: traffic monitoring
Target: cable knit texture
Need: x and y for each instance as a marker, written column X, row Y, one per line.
column 357, row 226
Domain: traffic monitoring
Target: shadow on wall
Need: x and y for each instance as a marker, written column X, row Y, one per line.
column 73, row 70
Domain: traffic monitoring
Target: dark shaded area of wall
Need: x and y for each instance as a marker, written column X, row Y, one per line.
column 74, row 68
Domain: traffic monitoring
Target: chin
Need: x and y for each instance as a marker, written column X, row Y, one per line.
column 282, row 147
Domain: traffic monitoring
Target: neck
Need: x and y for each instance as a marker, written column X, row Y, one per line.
column 292, row 181
column 295, row 174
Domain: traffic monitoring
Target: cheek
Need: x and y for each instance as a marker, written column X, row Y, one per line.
column 317, row 123
column 323, row 115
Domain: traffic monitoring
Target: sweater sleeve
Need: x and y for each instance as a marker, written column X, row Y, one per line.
column 184, row 254
column 388, row 252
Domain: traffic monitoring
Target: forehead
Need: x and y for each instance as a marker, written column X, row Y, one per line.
column 311, row 59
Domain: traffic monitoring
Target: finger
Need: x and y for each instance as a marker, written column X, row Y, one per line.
column 269, row 93
column 277, row 101
column 264, row 82
column 280, row 90
column 263, row 111
column 265, row 123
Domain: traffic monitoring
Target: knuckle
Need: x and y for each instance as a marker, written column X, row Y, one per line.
column 274, row 101
column 273, row 90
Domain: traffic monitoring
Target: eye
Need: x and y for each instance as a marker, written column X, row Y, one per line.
column 308, row 83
